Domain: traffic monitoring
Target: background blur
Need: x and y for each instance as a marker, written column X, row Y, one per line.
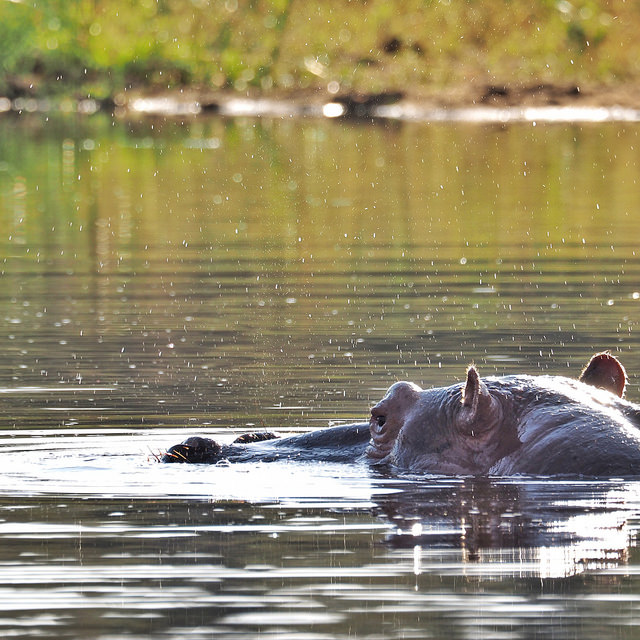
column 97, row 47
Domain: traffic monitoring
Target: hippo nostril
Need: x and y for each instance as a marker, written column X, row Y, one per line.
column 381, row 420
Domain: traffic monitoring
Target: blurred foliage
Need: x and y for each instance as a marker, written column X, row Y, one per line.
column 101, row 46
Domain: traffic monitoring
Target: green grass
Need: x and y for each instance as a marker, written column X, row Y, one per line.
column 98, row 47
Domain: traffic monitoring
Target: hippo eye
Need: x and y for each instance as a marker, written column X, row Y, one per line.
column 381, row 420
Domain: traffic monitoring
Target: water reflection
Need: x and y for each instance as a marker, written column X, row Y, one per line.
column 221, row 243
column 546, row 528
column 398, row 554
column 161, row 278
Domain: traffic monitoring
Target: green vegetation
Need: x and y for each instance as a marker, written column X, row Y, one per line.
column 98, row 47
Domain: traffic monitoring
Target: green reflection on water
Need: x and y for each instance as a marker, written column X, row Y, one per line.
column 302, row 188
column 307, row 263
column 283, row 273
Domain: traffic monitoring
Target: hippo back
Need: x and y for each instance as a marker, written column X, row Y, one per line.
column 567, row 427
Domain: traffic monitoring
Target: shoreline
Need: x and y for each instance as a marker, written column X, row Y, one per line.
column 472, row 103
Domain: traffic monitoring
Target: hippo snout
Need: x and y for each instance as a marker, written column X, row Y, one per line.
column 194, row 450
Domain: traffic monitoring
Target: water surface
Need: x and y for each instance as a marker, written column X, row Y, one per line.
column 161, row 278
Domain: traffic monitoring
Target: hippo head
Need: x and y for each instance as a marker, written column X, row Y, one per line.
column 389, row 416
column 466, row 428
column 458, row 429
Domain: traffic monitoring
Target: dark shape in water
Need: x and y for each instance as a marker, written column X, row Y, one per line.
column 364, row 105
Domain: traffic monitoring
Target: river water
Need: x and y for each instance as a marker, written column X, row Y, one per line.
column 162, row 278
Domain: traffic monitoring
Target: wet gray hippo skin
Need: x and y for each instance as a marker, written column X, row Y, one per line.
column 540, row 425
column 346, row 443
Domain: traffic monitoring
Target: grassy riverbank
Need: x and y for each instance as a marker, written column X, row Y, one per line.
column 98, row 48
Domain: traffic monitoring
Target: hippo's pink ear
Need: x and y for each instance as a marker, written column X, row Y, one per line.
column 478, row 411
column 605, row 372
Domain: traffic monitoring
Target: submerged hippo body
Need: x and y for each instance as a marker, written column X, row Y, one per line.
column 540, row 425
column 346, row 443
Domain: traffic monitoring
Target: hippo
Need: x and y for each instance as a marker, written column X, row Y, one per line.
column 497, row 426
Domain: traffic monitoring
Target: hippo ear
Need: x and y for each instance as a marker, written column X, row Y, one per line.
column 478, row 410
column 605, row 372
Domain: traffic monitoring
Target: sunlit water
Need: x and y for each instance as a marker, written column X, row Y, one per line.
column 162, row 278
